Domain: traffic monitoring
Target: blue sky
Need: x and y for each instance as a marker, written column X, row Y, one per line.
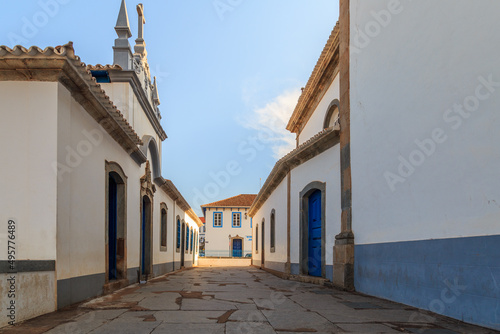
column 229, row 74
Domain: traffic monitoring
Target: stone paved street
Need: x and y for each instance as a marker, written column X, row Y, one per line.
column 238, row 300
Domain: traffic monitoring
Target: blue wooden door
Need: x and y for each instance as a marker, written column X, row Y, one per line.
column 237, row 248
column 315, row 234
column 112, row 228
column 143, row 237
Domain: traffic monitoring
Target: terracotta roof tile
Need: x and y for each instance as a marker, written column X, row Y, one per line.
column 202, row 219
column 244, row 200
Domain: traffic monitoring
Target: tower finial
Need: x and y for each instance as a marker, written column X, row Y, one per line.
column 122, row 52
column 122, row 24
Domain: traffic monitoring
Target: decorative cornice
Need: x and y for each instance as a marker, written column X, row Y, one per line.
column 318, row 83
column 60, row 64
column 308, row 150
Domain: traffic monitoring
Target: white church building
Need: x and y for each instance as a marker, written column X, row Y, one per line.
column 399, row 198
column 82, row 193
column 228, row 227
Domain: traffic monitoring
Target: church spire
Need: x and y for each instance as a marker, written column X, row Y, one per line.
column 122, row 25
column 122, row 52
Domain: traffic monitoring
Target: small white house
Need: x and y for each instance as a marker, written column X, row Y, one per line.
column 228, row 227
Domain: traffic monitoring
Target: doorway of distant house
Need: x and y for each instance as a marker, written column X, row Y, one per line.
column 146, row 238
column 314, row 234
column 237, row 247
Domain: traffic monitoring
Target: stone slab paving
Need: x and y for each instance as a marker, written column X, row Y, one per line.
column 238, row 300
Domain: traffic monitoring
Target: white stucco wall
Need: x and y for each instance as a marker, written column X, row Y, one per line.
column 28, row 183
column 124, row 98
column 278, row 202
column 81, row 194
column 217, row 238
column 400, row 95
column 316, row 122
column 28, row 142
column 323, row 168
column 82, row 201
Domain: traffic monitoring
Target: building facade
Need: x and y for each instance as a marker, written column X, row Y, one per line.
column 87, row 207
column 407, row 181
column 228, row 227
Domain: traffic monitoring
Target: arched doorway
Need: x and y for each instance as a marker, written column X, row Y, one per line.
column 314, row 234
column 146, row 230
column 312, row 230
column 146, row 227
column 116, row 225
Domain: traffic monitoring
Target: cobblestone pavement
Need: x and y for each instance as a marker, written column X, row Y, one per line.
column 238, row 300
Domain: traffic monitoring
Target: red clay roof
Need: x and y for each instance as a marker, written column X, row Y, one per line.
column 202, row 219
column 244, row 200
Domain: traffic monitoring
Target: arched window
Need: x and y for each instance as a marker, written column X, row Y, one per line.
column 178, row 239
column 273, row 231
column 332, row 115
column 257, row 239
column 163, row 228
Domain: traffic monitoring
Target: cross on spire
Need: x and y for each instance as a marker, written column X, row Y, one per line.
column 142, row 20
column 140, row 45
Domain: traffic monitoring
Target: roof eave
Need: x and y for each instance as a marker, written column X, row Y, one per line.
column 312, row 86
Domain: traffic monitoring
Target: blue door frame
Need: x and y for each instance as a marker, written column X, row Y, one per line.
column 112, row 228
column 237, row 248
column 315, row 235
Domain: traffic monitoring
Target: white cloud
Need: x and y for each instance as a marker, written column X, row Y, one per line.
column 272, row 119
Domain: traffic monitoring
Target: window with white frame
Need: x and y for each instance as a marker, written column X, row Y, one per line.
column 217, row 219
column 236, row 219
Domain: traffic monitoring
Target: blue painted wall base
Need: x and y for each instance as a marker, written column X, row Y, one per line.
column 458, row 278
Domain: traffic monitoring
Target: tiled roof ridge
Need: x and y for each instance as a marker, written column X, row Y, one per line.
column 67, row 51
column 218, row 203
column 99, row 67
column 321, row 64
column 307, row 142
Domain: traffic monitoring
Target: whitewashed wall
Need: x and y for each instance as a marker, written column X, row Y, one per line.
column 425, row 95
column 81, row 210
column 316, row 122
column 124, row 98
column 278, row 202
column 28, row 142
column 81, row 200
column 404, row 82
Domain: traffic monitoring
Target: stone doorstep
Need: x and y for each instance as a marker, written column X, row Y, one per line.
column 114, row 286
column 310, row 279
